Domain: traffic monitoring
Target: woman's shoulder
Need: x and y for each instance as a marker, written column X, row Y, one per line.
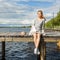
column 44, row 19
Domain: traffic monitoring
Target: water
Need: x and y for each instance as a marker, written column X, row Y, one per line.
column 24, row 50
column 51, row 52
column 19, row 51
column 14, row 29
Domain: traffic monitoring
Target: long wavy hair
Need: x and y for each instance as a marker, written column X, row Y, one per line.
column 42, row 16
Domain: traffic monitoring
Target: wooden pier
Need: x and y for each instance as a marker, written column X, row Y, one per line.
column 16, row 37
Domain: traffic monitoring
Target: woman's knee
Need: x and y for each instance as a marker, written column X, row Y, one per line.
column 38, row 36
column 34, row 35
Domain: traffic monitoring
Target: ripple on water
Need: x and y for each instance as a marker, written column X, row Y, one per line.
column 21, row 50
column 24, row 51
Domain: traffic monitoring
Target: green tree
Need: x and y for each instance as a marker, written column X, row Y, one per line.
column 54, row 21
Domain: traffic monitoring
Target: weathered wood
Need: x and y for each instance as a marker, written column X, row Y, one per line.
column 52, row 30
column 58, row 44
column 18, row 38
column 28, row 38
column 42, row 48
column 3, row 50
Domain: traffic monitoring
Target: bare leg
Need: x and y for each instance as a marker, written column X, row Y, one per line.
column 38, row 40
column 35, row 39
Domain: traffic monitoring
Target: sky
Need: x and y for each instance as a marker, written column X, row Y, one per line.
column 25, row 11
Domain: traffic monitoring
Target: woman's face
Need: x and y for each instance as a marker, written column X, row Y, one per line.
column 39, row 14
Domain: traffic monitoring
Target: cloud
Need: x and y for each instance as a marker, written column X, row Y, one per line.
column 13, row 12
column 55, row 8
column 44, row 0
column 10, row 10
column 15, row 21
column 0, row 0
column 29, row 0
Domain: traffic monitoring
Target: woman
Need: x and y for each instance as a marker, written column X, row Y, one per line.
column 39, row 26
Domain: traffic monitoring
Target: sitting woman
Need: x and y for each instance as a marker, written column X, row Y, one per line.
column 38, row 25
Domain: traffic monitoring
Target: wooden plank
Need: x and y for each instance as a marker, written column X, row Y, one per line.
column 27, row 39
column 9, row 36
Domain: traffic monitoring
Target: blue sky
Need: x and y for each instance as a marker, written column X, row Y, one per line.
column 24, row 11
column 37, row 3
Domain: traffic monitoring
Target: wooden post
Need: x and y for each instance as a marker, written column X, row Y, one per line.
column 58, row 45
column 42, row 48
column 3, row 50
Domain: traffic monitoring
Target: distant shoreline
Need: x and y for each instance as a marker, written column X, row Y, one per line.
column 16, row 27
